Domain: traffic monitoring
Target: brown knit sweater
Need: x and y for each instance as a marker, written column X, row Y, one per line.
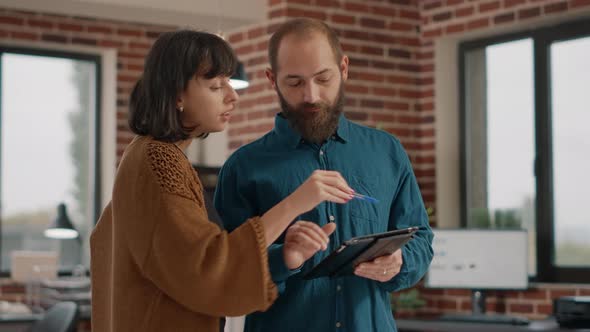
column 158, row 263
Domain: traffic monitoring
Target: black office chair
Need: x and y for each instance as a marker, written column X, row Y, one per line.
column 61, row 317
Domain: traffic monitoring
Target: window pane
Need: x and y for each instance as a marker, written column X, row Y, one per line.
column 570, row 70
column 501, row 139
column 47, row 152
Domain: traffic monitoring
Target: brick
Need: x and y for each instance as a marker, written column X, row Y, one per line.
column 537, row 294
column 9, row 20
column 356, row 7
column 139, row 46
column 343, row 19
column 54, row 38
column 488, row 6
column 454, row 2
column 255, row 33
column 410, row 94
column 545, row 309
column 465, row 11
column 294, row 12
column 358, row 62
column 397, row 106
column 504, row 18
column 399, row 53
column 529, row 13
column 385, row 92
column 357, row 116
column 399, row 26
column 383, row 64
column 382, row 117
column 371, row 103
column 401, row 2
column 130, row 33
column 36, row 23
column 453, row 28
column 384, row 11
column 353, row 88
column 432, row 33
column 409, row 14
column 432, row 5
column 24, row 35
column 372, row 23
column 479, row 23
column 555, row 7
column 370, row 50
column 442, row 16
column 396, row 79
column 110, row 43
column 383, row 38
column 579, row 3
column 368, row 76
column 512, row 3
column 70, row 27
column 235, row 38
column 332, row 4
column 84, row 41
column 555, row 293
column 409, row 68
column 523, row 308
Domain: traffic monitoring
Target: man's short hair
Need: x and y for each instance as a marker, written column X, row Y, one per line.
column 302, row 27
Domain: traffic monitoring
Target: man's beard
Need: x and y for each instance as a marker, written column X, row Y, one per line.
column 315, row 127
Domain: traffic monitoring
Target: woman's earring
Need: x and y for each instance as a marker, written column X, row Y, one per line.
column 181, row 109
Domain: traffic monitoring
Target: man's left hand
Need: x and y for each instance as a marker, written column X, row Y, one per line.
column 382, row 268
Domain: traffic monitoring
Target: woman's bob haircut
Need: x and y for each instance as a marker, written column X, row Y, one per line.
column 174, row 59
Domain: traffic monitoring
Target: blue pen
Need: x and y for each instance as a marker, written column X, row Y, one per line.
column 365, row 198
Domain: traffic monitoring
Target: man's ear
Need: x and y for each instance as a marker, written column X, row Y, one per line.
column 344, row 67
column 271, row 77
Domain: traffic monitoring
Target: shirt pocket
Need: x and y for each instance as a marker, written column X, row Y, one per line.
column 362, row 210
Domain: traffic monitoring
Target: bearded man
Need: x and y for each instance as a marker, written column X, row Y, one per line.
column 308, row 71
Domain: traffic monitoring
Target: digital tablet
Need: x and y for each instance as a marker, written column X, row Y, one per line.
column 342, row 261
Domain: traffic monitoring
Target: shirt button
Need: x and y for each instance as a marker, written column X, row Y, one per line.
column 338, row 288
column 338, row 324
column 321, row 153
column 332, row 218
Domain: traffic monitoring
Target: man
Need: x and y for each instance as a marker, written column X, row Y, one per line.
column 308, row 71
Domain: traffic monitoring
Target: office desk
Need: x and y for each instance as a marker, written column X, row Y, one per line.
column 411, row 325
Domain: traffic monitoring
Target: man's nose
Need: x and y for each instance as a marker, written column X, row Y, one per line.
column 311, row 93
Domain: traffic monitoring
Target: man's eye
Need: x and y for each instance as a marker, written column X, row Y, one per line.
column 215, row 88
column 323, row 79
column 294, row 83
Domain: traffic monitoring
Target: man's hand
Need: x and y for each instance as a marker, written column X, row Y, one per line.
column 382, row 268
column 303, row 240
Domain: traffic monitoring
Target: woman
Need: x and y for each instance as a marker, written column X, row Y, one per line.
column 158, row 263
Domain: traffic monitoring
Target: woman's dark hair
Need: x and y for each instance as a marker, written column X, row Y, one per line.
column 174, row 59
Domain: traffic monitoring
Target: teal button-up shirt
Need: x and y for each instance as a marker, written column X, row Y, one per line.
column 259, row 175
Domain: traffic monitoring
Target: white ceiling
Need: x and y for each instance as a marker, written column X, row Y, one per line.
column 211, row 15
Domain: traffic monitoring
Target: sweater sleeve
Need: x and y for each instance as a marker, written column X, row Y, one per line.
column 193, row 261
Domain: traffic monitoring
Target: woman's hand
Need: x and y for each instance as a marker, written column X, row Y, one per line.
column 320, row 186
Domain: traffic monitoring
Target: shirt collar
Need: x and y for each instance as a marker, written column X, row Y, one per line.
column 292, row 138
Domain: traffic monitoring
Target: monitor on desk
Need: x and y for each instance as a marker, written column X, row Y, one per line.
column 480, row 260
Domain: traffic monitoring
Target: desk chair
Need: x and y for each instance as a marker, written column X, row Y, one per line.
column 61, row 317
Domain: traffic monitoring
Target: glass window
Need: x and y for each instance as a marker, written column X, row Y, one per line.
column 48, row 152
column 500, row 125
column 570, row 70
